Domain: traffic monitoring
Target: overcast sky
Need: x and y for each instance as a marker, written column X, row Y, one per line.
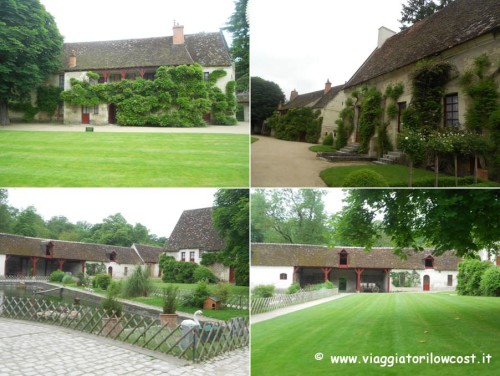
column 299, row 45
column 157, row 209
column 99, row 20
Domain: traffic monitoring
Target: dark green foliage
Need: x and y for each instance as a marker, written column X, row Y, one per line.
column 263, row 291
column 490, row 282
column 293, row 288
column 383, row 142
column 170, row 299
column 392, row 111
column 210, row 258
column 112, row 306
column 47, row 99
column 370, row 116
column 230, row 218
column 200, row 294
column 223, row 291
column 30, row 50
column 238, row 26
column 204, row 273
column 95, row 268
column 365, row 178
column 405, row 279
column 26, row 108
column 469, row 276
column 138, row 284
column 394, row 92
column 298, row 124
column 345, row 124
column 328, row 140
column 177, row 271
column 266, row 96
column 67, row 279
column 56, row 276
column 102, row 281
column 416, row 10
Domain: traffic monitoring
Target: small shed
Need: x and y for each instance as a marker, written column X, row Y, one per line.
column 212, row 303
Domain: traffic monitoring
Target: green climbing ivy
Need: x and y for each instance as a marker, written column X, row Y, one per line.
column 370, row 115
column 345, row 124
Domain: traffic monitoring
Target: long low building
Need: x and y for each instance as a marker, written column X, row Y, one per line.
column 352, row 268
column 27, row 256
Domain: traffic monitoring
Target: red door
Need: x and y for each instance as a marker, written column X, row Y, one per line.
column 427, row 283
column 231, row 275
column 85, row 115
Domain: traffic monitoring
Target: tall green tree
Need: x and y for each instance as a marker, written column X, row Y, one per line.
column 30, row 50
column 417, row 10
column 6, row 212
column 231, row 219
column 465, row 221
column 58, row 225
column 114, row 230
column 240, row 49
column 266, row 96
column 294, row 216
column 30, row 223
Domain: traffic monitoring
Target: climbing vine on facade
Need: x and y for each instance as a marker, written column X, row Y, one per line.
column 370, row 115
column 345, row 124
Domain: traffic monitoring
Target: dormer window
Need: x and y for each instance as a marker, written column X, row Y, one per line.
column 429, row 262
column 49, row 249
column 343, row 259
column 112, row 256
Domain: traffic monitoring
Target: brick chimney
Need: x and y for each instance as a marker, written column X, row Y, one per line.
column 72, row 59
column 294, row 94
column 178, row 34
column 328, row 86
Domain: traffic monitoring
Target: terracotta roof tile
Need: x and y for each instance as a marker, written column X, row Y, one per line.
column 148, row 253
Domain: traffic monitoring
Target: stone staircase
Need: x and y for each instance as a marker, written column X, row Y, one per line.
column 391, row 158
column 346, row 154
column 351, row 149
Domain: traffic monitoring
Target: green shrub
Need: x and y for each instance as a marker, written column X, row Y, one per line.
column 83, row 280
column 102, row 281
column 470, row 273
column 223, row 291
column 56, row 276
column 328, row 140
column 170, row 298
column 200, row 294
column 112, row 306
column 204, row 273
column 328, row 285
column 177, row 271
column 365, row 178
column 138, row 284
column 490, row 282
column 293, row 288
column 67, row 279
column 263, row 291
column 115, row 288
column 94, row 268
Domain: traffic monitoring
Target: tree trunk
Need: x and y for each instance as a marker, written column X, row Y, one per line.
column 4, row 112
column 436, row 169
column 475, row 168
column 456, row 170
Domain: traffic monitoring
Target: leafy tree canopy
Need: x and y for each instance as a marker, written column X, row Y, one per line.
column 240, row 49
column 30, row 50
column 417, row 10
column 230, row 219
column 266, row 96
column 465, row 221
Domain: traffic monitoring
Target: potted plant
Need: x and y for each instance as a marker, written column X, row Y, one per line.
column 113, row 308
column 169, row 317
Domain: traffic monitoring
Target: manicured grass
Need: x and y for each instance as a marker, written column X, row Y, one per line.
column 253, row 139
column 223, row 314
column 95, row 159
column 396, row 176
column 380, row 324
column 322, row 148
column 235, row 290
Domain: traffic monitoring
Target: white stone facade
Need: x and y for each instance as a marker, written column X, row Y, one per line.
column 271, row 275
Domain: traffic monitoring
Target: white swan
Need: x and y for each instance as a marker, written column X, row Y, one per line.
column 193, row 322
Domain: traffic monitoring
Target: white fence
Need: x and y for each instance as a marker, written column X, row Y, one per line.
column 261, row 305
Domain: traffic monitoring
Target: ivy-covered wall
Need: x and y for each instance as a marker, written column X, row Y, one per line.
column 177, row 97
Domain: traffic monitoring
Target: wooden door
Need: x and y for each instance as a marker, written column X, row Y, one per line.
column 85, row 115
column 427, row 283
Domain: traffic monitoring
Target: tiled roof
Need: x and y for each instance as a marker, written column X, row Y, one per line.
column 17, row 245
column 457, row 23
column 148, row 253
column 265, row 254
column 194, row 230
column 304, row 100
column 325, row 99
column 206, row 49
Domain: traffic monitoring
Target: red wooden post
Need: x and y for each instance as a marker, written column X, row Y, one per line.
column 105, row 75
column 296, row 269
column 388, row 272
column 326, row 271
column 142, row 72
column 358, row 278
column 61, row 263
column 123, row 73
column 83, row 266
column 34, row 260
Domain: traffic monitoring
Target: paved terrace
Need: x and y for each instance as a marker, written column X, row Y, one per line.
column 240, row 128
column 28, row 348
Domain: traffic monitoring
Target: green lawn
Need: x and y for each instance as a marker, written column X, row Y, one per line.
column 322, row 148
column 95, row 159
column 380, row 325
column 253, row 139
column 396, row 176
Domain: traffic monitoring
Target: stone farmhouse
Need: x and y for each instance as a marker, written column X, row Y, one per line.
column 328, row 101
column 193, row 236
column 457, row 34
column 352, row 269
column 26, row 256
column 137, row 58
